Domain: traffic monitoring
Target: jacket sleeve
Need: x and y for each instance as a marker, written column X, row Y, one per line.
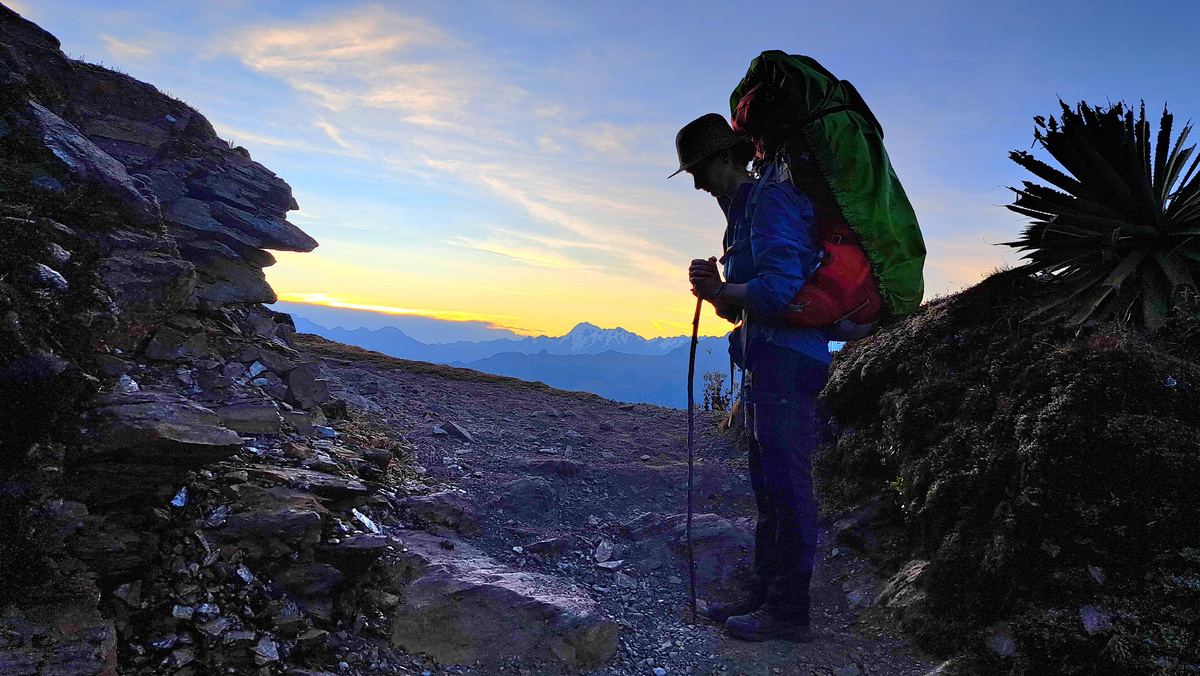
column 784, row 246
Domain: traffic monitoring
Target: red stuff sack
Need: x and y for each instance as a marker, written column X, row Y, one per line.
column 842, row 290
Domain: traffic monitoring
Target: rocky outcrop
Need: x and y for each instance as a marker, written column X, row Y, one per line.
column 135, row 359
column 181, row 494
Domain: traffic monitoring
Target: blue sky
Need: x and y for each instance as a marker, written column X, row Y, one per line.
column 507, row 161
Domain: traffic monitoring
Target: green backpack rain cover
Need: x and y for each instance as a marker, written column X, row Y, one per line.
column 845, row 140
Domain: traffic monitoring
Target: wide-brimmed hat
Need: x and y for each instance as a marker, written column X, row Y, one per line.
column 704, row 136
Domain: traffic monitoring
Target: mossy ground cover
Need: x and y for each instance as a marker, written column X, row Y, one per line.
column 1048, row 473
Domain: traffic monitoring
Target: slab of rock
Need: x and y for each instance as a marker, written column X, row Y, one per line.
column 531, row 498
column 91, row 164
column 461, row 607
column 162, row 428
column 324, row 485
column 273, row 533
column 248, row 418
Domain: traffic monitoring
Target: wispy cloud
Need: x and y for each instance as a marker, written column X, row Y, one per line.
column 410, row 95
column 19, row 7
column 121, row 49
column 491, row 321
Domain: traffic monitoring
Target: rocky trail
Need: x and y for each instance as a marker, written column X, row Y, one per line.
column 588, row 495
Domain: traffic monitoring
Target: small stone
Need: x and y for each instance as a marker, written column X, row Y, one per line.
column 207, row 611
column 439, row 432
column 181, row 657
column 266, row 651
column 1097, row 574
column 1094, row 619
column 327, row 432
column 604, row 550
column 659, row 671
column 181, row 498
column 456, row 431
column 182, row 612
column 609, row 565
column 256, row 368
column 366, row 521
column 126, row 384
column 645, row 458
column 47, row 276
column 245, row 574
column 215, row 628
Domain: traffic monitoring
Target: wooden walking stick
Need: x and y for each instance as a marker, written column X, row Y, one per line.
column 691, row 453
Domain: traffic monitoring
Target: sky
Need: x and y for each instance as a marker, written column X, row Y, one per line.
column 506, row 162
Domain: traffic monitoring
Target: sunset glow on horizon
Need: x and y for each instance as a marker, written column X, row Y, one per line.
column 506, row 163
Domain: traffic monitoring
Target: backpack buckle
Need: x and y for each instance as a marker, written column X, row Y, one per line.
column 836, row 239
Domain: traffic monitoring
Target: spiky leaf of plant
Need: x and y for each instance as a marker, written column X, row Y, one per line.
column 1113, row 236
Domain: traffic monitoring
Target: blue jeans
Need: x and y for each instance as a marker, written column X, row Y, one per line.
column 781, row 392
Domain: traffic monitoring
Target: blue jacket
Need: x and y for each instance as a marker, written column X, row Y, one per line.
column 772, row 247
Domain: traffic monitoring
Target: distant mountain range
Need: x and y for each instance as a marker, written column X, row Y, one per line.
column 612, row 363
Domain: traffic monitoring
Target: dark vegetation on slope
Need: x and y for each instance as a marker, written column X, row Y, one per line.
column 1048, row 473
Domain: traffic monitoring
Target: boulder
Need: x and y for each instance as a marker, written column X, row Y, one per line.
column 461, row 607
column 724, row 548
column 311, row 585
column 531, row 498
column 273, row 533
column 305, row 390
column 447, row 508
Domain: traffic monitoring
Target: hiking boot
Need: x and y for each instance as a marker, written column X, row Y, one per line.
column 720, row 611
column 767, row 623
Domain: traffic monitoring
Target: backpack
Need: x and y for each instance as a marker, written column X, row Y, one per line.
column 817, row 132
column 841, row 296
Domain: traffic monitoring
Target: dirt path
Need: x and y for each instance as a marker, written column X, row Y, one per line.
column 622, row 461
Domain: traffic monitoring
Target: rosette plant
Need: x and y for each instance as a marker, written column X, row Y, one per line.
column 1117, row 234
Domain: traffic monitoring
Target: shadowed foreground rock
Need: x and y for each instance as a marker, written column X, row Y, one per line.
column 724, row 548
column 462, row 607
